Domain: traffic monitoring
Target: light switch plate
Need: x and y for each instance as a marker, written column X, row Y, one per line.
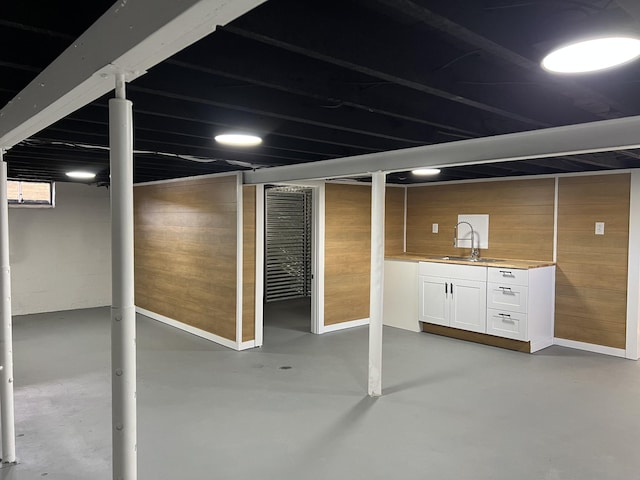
column 599, row 228
column 434, row 228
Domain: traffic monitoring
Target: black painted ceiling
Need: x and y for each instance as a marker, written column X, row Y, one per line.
column 321, row 79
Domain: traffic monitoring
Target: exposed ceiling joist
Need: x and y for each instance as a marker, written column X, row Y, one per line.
column 148, row 31
column 382, row 75
column 584, row 98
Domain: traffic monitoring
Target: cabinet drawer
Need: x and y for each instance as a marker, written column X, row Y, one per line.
column 512, row 298
column 509, row 276
column 507, row 324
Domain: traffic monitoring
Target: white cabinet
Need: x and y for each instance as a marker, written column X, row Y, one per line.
column 453, row 296
column 520, row 304
column 505, row 302
column 468, row 305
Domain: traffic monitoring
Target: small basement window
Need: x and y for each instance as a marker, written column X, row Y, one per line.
column 26, row 193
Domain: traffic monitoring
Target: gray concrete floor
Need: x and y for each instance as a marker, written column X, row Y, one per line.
column 297, row 408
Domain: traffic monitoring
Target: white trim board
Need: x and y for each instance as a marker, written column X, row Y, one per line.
column 225, row 342
column 194, row 177
column 141, row 34
column 239, row 258
column 589, row 347
column 259, row 271
column 344, row 325
column 317, row 262
column 523, row 177
column 247, row 345
column 632, row 343
column 601, row 136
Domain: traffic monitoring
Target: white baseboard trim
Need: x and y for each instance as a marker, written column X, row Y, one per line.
column 341, row 326
column 539, row 344
column 247, row 345
column 590, row 347
column 225, row 342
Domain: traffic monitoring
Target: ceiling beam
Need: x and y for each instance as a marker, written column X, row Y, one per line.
column 336, row 87
column 166, row 82
column 605, row 135
column 583, row 97
column 632, row 7
column 387, row 76
column 169, row 109
column 129, row 38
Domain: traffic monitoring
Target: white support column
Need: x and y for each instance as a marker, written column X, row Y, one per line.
column 123, row 315
column 6, row 335
column 377, row 279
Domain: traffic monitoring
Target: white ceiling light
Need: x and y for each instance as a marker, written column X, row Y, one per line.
column 238, row 140
column 592, row 55
column 81, row 175
column 426, row 171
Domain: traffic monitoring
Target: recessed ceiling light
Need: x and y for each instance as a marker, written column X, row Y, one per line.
column 592, row 55
column 81, row 175
column 426, row 171
column 239, row 140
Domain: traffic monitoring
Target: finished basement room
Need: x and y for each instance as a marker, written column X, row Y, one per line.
column 323, row 239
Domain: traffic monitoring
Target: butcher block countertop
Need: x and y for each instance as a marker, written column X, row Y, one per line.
column 508, row 263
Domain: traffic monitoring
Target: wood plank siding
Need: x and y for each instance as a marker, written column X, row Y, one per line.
column 347, row 258
column 185, row 251
column 248, row 262
column 591, row 275
column 520, row 217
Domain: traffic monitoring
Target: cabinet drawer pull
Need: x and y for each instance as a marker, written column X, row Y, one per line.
column 506, row 273
column 506, row 316
column 446, row 288
column 504, row 289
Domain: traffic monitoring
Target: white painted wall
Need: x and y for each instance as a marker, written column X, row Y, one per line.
column 61, row 257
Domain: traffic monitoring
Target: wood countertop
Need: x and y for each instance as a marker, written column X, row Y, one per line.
column 509, row 263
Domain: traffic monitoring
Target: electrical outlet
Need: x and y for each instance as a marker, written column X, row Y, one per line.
column 434, row 228
column 599, row 228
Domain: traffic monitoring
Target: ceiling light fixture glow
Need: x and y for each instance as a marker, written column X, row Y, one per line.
column 239, row 140
column 81, row 175
column 592, row 55
column 426, row 171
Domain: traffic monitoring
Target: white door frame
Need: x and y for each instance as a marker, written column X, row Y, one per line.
column 317, row 256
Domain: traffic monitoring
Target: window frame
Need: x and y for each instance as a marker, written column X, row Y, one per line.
column 21, row 202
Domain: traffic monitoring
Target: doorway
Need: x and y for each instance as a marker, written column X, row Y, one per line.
column 288, row 260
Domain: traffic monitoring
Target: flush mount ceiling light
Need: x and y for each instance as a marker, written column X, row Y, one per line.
column 81, row 175
column 426, row 171
column 592, row 55
column 238, row 140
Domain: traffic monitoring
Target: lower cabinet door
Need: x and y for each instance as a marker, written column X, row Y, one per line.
column 434, row 301
column 469, row 305
column 507, row 324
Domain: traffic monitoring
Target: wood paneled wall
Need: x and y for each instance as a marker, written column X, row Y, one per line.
column 347, row 257
column 520, row 217
column 591, row 274
column 394, row 220
column 186, row 250
column 248, row 262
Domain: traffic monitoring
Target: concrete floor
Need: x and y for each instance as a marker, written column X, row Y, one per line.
column 297, row 408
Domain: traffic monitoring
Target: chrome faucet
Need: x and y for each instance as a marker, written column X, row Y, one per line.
column 475, row 252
